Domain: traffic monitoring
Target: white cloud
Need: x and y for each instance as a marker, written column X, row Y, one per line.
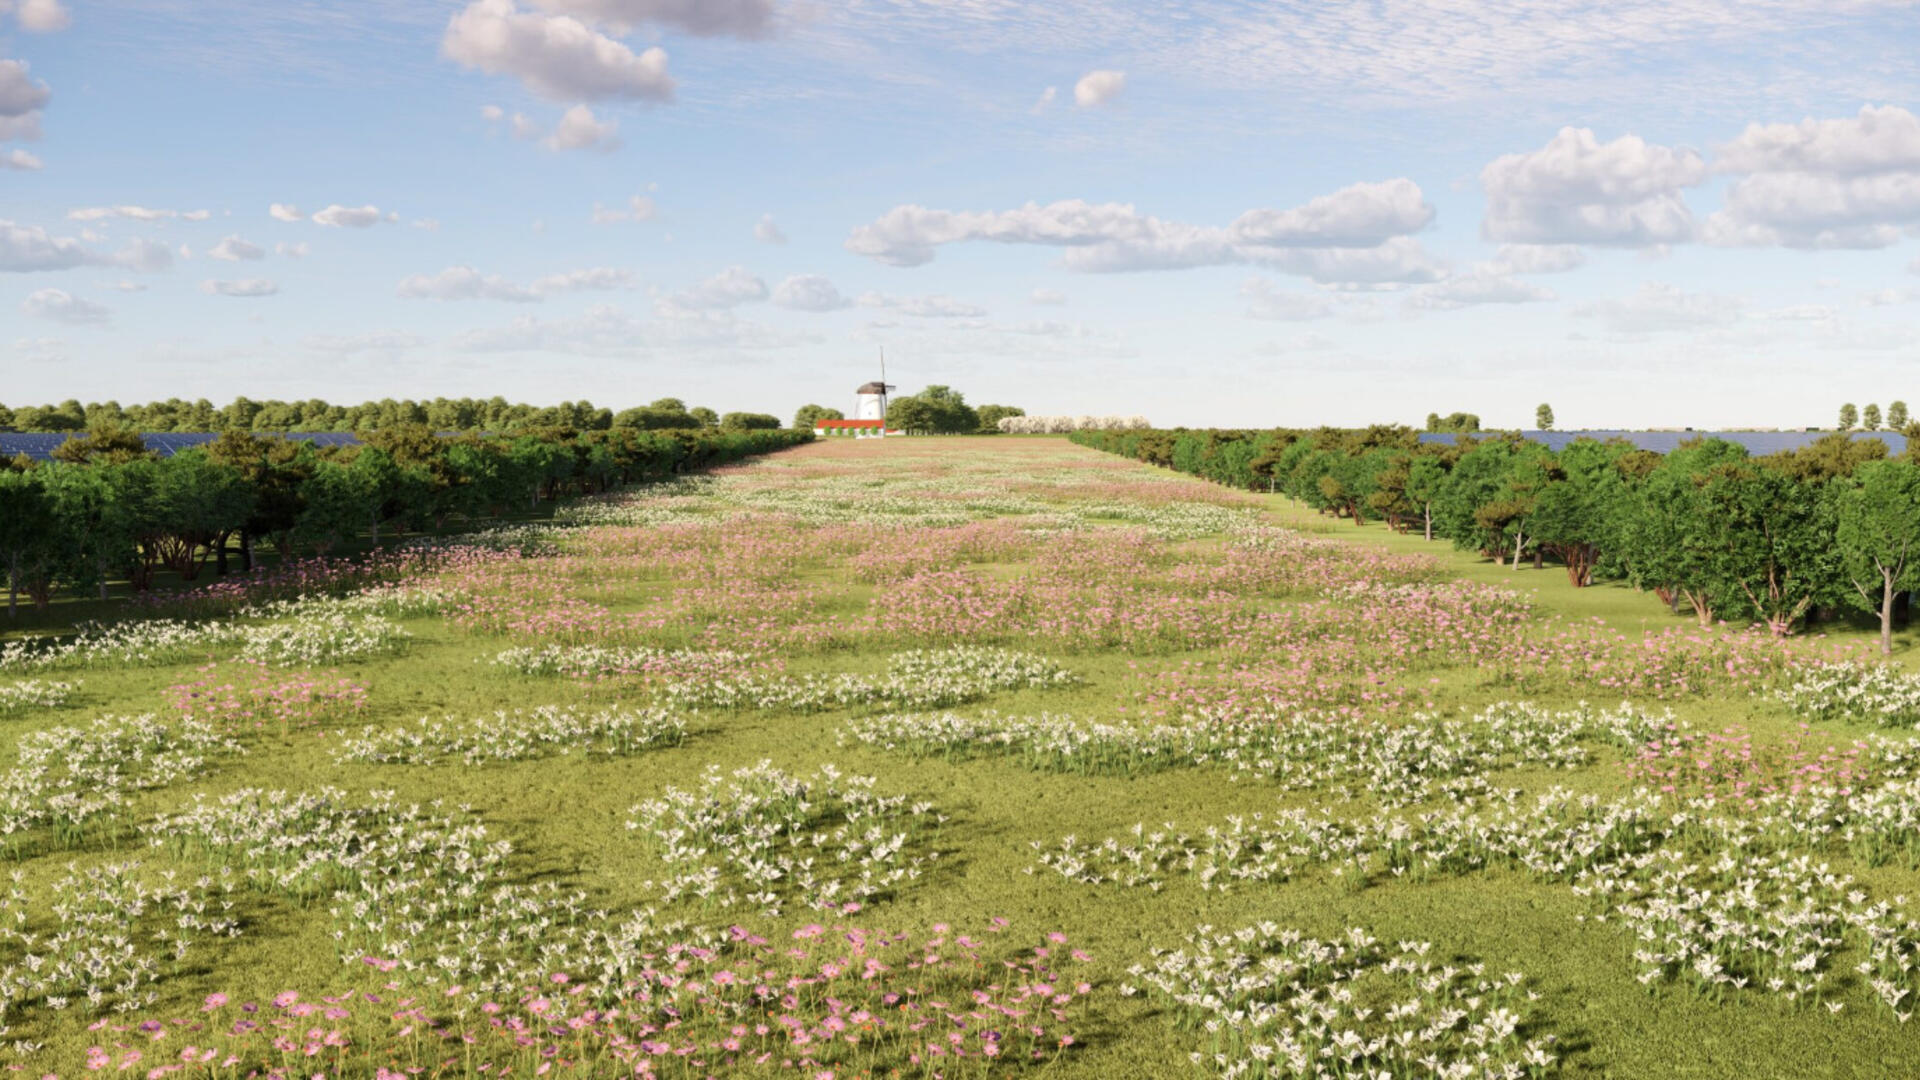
column 29, row 248
column 1577, row 190
column 706, row 18
column 38, row 16
column 727, row 289
column 286, row 212
column 466, row 283
column 1046, row 99
column 1483, row 284
column 809, row 292
column 128, row 286
column 1539, row 258
column 247, row 287
column 1098, row 88
column 639, row 208
column 234, row 249
column 20, row 160
column 134, row 213
column 351, row 217
column 767, row 231
column 579, row 129
column 1847, row 183
column 1266, row 302
column 924, row 307
column 21, row 101
column 1356, row 234
column 1051, row 297
column 556, row 57
column 63, row 307
column 146, row 256
column 1658, row 308
column 463, row 283
column 492, row 113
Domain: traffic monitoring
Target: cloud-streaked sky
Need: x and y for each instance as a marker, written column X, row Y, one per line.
column 1211, row 212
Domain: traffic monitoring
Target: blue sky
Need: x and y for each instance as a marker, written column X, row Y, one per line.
column 1686, row 212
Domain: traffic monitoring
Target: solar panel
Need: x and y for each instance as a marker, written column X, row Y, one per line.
column 1757, row 443
column 40, row 446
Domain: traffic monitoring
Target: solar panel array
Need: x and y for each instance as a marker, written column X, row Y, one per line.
column 164, row 443
column 1758, row 443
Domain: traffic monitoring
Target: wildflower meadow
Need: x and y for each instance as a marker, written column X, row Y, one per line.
column 951, row 758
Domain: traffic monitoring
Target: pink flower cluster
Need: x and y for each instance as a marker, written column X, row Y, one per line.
column 246, row 693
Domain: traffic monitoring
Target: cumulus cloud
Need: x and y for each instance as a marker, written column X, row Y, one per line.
column 579, row 129
column 1356, row 234
column 594, row 278
column 1098, row 88
column 1852, row 182
column 135, row 213
column 235, row 249
column 1578, row 190
column 557, row 57
column 246, row 287
column 705, row 18
column 29, row 248
column 1658, row 308
column 350, row 217
column 638, row 208
column 20, row 160
column 809, row 292
column 38, row 16
column 727, row 289
column 767, row 231
column 1264, row 301
column 21, row 101
column 286, row 212
column 1482, row 284
column 63, row 307
column 146, row 256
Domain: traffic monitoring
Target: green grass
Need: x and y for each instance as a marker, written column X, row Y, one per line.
column 565, row 818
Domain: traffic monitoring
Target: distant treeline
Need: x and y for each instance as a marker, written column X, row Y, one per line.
column 1772, row 539
column 107, row 509
column 440, row 414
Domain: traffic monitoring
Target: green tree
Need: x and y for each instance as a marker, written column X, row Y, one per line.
column 1876, row 529
column 1575, row 513
column 1849, row 417
column 991, row 415
column 96, row 531
column 912, row 415
column 1897, row 416
column 105, row 441
column 26, row 526
column 1426, row 478
column 706, row 417
column 746, row 421
column 809, row 416
column 1543, row 417
column 1870, row 418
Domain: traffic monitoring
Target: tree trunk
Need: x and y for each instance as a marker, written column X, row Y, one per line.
column 1539, row 559
column 246, row 551
column 13, row 587
column 376, row 532
column 220, row 557
column 1429, row 522
column 1886, row 612
column 1519, row 542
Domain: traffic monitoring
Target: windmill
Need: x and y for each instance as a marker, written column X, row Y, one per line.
column 870, row 402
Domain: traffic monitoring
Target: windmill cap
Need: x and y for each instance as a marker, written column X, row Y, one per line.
column 873, row 388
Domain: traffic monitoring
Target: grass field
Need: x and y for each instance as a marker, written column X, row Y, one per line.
column 1035, row 648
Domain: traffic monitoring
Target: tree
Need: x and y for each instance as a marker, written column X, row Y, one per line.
column 1453, row 423
column 746, row 421
column 809, row 416
column 1576, row 511
column 97, row 534
column 706, row 417
column 26, row 524
column 912, row 415
column 1849, row 417
column 1870, row 418
column 1543, row 417
column 1897, row 416
column 946, row 412
column 1426, row 477
column 991, row 415
column 1877, row 532
column 1765, row 539
column 106, row 441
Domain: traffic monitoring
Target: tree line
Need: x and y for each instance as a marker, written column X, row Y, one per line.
column 1779, row 539
column 937, row 410
column 440, row 414
column 107, row 509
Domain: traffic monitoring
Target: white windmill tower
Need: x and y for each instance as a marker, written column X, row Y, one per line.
column 870, row 401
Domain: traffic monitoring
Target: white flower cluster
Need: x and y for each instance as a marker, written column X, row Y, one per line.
column 919, row 679
column 321, row 637
column 546, row 731
column 27, row 694
column 767, row 838
column 1874, row 693
column 1061, row 425
column 67, row 778
column 1397, row 764
column 608, row 661
column 1276, row 1003
column 110, row 928
column 419, row 892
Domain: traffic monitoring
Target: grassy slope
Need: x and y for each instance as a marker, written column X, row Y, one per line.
column 566, row 818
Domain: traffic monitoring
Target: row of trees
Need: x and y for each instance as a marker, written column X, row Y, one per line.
column 1776, row 539
column 440, row 414
column 1869, row 419
column 109, row 510
column 1061, row 425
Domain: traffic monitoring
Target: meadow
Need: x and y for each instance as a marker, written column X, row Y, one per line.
column 951, row 757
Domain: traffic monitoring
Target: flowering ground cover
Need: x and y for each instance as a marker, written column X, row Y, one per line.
column 950, row 757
